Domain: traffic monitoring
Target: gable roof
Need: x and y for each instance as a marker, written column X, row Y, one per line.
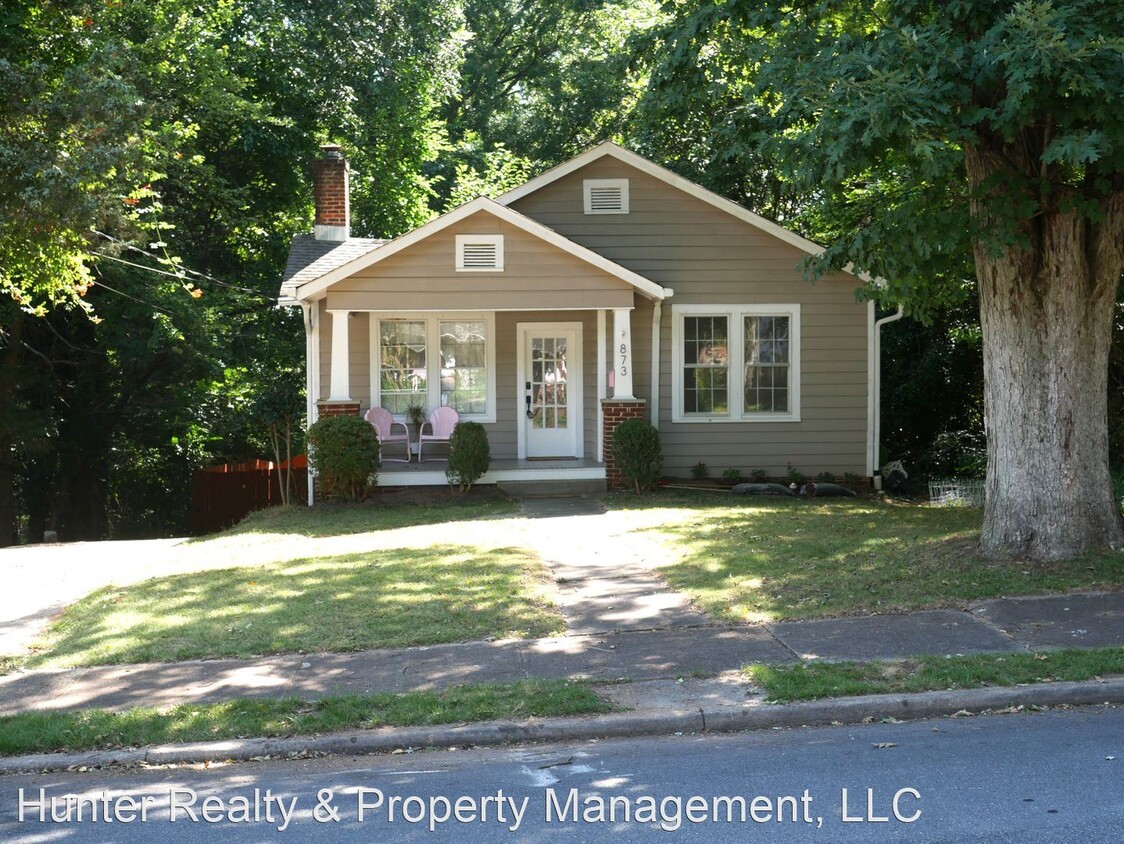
column 310, row 258
column 608, row 148
column 310, row 281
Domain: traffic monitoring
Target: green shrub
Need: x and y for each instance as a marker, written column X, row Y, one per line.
column 344, row 453
column 469, row 455
column 700, row 471
column 825, row 478
column 759, row 476
column 732, row 475
column 636, row 452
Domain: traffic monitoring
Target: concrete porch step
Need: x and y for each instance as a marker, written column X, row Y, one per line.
column 552, row 488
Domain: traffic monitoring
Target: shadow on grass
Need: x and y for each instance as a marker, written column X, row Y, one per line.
column 783, row 558
column 386, row 510
column 384, row 599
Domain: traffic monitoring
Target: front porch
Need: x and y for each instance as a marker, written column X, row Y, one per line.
column 432, row 472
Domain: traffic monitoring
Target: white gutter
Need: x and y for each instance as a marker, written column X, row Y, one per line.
column 311, row 379
column 874, row 370
column 654, row 391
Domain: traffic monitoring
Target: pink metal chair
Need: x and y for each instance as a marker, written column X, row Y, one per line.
column 441, row 423
column 384, row 424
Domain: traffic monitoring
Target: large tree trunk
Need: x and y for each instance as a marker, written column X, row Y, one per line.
column 1046, row 308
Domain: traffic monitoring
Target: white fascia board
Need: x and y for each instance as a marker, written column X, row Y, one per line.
column 664, row 175
column 649, row 288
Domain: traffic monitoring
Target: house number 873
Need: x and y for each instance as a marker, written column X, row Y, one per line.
column 624, row 359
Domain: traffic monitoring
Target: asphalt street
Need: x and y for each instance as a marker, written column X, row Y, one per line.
column 1030, row 778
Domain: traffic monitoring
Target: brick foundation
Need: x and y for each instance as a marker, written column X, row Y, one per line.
column 617, row 411
column 336, row 408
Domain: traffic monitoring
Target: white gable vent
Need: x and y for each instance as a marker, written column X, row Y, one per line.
column 479, row 252
column 606, row 196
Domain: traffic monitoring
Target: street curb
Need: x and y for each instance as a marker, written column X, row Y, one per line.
column 850, row 710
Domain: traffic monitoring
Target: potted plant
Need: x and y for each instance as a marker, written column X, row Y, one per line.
column 415, row 415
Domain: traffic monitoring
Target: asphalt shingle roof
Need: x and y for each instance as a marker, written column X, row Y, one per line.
column 310, row 258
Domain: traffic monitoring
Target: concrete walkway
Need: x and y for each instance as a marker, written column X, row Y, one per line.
column 604, row 573
column 1001, row 625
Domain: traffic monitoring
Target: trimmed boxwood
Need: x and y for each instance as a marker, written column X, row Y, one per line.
column 636, row 452
column 344, row 453
column 469, row 455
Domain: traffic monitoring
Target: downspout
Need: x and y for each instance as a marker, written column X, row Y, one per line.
column 310, row 383
column 654, row 391
column 876, row 386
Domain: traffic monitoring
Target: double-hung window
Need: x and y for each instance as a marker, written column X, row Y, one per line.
column 736, row 363
column 435, row 360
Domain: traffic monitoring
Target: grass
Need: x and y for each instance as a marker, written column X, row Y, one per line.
column 44, row 732
column 810, row 681
column 386, row 510
column 381, row 599
column 774, row 559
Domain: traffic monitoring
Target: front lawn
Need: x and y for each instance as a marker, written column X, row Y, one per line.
column 387, row 598
column 810, row 681
column 385, row 510
column 767, row 559
column 46, row 732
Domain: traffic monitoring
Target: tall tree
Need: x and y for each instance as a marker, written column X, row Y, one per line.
column 177, row 136
column 982, row 126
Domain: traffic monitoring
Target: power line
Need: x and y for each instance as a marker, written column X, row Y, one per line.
column 183, row 273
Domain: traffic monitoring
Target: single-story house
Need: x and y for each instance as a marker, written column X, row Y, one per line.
column 603, row 289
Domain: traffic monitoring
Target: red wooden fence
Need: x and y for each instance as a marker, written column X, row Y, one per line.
column 224, row 495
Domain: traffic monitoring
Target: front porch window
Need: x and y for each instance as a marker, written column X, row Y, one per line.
column 464, row 358
column 435, row 360
column 402, row 364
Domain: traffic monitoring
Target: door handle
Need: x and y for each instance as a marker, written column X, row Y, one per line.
column 527, row 399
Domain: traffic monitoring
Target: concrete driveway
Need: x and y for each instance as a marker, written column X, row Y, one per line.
column 40, row 580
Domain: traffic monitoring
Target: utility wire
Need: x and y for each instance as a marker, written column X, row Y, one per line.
column 134, row 298
column 183, row 271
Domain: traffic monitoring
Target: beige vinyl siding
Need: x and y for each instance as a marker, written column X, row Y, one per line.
column 536, row 275
column 710, row 257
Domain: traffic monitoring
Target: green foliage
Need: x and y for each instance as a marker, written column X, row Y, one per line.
column 636, row 452
column 759, row 476
column 793, row 474
column 344, row 453
column 469, row 455
column 825, row 477
column 700, row 471
column 732, row 475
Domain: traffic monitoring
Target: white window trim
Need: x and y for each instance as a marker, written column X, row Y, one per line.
column 587, row 195
column 736, row 315
column 495, row 240
column 433, row 356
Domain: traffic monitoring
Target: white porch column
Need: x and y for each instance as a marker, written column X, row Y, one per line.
column 622, row 353
column 340, row 389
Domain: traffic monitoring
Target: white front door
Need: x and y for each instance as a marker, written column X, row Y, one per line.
column 550, row 394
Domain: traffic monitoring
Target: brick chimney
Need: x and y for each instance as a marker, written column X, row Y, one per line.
column 330, row 188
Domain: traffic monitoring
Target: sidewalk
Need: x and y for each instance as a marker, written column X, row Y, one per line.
column 1001, row 625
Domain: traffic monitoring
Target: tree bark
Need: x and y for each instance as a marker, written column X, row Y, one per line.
column 1046, row 309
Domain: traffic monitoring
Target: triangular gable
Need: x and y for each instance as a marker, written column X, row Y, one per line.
column 608, row 148
column 312, row 288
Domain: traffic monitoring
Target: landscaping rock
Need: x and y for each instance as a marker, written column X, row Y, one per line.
column 761, row 489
